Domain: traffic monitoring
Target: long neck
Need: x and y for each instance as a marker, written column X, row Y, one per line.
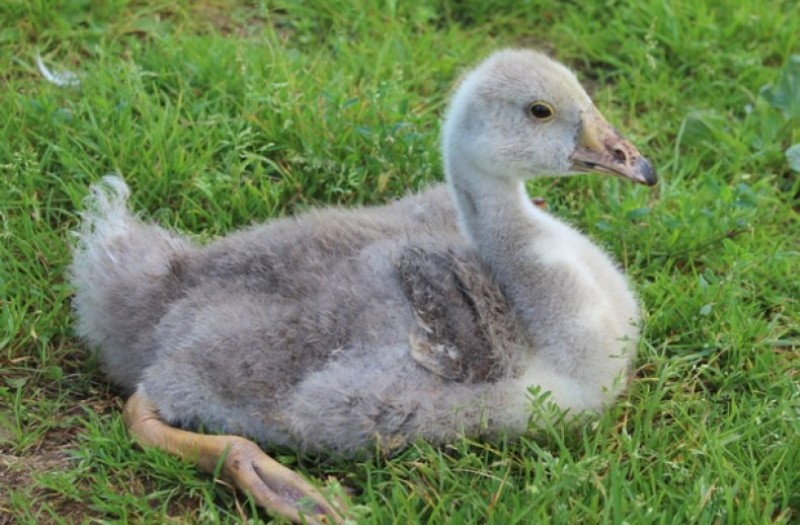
column 507, row 229
column 496, row 215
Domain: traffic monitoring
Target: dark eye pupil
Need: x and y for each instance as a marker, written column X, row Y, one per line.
column 541, row 111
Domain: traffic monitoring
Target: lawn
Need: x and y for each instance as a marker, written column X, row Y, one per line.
column 221, row 114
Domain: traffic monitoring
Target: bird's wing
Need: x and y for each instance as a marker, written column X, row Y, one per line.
column 463, row 321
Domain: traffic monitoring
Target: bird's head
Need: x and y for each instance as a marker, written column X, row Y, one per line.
column 520, row 114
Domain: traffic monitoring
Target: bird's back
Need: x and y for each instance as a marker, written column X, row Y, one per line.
column 313, row 284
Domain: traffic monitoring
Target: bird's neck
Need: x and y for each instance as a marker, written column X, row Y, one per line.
column 511, row 235
column 496, row 215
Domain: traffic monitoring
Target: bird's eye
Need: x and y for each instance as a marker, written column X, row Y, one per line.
column 541, row 111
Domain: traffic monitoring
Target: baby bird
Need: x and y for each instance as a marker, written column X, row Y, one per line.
column 345, row 329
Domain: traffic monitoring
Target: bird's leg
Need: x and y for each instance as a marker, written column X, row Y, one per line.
column 276, row 488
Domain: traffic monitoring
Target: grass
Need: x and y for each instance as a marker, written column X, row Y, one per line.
column 221, row 114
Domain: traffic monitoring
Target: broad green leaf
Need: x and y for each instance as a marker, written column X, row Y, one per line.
column 785, row 94
column 793, row 156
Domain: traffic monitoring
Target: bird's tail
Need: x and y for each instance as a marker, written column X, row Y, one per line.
column 125, row 273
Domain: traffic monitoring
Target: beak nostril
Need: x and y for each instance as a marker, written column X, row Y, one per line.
column 620, row 155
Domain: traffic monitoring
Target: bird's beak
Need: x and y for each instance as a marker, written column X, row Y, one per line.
column 601, row 149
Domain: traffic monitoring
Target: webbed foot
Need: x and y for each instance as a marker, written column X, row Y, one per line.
column 278, row 489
